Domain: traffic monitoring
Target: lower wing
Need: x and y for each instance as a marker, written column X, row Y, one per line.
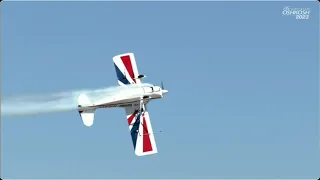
column 141, row 131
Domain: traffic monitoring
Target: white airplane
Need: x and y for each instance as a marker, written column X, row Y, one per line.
column 133, row 103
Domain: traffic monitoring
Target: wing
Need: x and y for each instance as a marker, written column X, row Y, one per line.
column 126, row 69
column 141, row 131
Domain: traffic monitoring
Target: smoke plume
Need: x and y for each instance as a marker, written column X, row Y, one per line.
column 57, row 102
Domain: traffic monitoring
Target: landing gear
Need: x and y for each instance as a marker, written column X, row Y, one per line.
column 141, row 105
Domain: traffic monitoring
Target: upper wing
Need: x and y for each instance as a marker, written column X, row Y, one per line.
column 141, row 131
column 126, row 69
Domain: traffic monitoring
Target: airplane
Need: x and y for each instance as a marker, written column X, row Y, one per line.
column 135, row 106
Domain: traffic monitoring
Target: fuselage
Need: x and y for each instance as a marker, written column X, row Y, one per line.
column 130, row 97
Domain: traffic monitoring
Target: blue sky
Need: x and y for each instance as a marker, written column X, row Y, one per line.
column 242, row 81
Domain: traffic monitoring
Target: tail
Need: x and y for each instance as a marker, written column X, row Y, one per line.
column 87, row 114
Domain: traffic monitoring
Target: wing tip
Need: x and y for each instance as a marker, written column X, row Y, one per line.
column 146, row 153
column 123, row 54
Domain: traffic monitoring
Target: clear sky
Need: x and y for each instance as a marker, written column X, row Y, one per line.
column 242, row 81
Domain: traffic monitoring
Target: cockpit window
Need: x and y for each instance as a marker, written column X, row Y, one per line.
column 157, row 88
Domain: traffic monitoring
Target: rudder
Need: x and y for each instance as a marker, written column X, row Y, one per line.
column 87, row 115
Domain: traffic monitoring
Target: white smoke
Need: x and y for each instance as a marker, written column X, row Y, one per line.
column 57, row 102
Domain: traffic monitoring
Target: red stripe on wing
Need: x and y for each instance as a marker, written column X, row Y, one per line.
column 127, row 63
column 130, row 119
column 146, row 138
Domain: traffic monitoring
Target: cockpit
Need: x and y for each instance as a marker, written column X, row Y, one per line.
column 155, row 88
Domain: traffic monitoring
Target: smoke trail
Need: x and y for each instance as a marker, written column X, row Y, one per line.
column 57, row 102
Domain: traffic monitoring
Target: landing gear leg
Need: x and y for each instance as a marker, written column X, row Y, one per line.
column 141, row 105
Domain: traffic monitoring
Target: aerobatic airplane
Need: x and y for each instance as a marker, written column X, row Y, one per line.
column 134, row 105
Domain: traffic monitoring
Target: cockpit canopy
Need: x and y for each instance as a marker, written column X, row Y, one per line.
column 155, row 88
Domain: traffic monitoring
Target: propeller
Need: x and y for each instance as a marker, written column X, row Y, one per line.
column 163, row 90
